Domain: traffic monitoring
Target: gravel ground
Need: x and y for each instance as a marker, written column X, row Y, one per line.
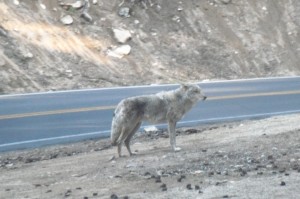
column 248, row 159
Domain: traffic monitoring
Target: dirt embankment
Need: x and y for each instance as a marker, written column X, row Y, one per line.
column 170, row 41
column 249, row 159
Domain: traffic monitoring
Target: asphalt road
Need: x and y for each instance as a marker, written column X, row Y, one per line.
column 39, row 119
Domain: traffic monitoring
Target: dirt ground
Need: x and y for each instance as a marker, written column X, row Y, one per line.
column 247, row 159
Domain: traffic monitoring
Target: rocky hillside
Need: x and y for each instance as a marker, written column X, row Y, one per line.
column 68, row 44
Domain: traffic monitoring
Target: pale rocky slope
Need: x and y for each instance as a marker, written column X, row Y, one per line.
column 171, row 41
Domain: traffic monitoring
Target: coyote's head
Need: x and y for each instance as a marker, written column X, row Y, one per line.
column 193, row 92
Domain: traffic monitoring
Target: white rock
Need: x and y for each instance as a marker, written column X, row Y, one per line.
column 77, row 5
column 119, row 52
column 124, row 12
column 67, row 20
column 150, row 128
column 16, row 2
column 198, row 172
column 121, row 35
column 95, row 2
column 43, row 6
column 28, row 55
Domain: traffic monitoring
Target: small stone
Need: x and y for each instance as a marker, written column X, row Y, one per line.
column 225, row 196
column 95, row 194
column 163, row 185
column 270, row 157
column 226, row 1
column 114, row 196
column 211, row 173
column 282, row 170
column 85, row 197
column 86, row 16
column 282, row 183
column 260, row 173
column 189, row 186
column 16, row 2
column 197, row 187
column 78, row 4
column 43, row 6
column 180, row 8
column 119, row 52
column 68, row 193
column 67, row 20
column 121, row 35
column 125, row 197
column 124, row 12
column 157, row 179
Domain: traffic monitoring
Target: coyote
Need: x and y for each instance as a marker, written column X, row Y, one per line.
column 166, row 106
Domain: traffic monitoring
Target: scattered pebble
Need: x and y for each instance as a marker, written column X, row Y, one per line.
column 164, row 187
column 68, row 193
column 114, row 196
column 197, row 187
column 67, row 20
column 157, row 179
column 282, row 170
column 180, row 178
column 282, row 183
column 189, row 186
column 124, row 12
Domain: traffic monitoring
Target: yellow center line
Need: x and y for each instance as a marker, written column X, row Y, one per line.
column 97, row 108
column 75, row 110
column 254, row 95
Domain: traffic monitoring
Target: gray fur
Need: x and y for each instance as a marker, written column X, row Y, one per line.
column 162, row 107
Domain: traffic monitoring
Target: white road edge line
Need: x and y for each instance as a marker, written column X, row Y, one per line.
column 180, row 123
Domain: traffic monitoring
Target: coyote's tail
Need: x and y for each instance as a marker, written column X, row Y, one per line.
column 115, row 132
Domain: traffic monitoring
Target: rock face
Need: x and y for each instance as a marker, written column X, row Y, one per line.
column 170, row 41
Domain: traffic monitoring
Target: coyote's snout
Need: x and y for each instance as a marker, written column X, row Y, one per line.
column 162, row 107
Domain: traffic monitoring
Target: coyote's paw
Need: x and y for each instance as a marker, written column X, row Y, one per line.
column 133, row 153
column 177, row 149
